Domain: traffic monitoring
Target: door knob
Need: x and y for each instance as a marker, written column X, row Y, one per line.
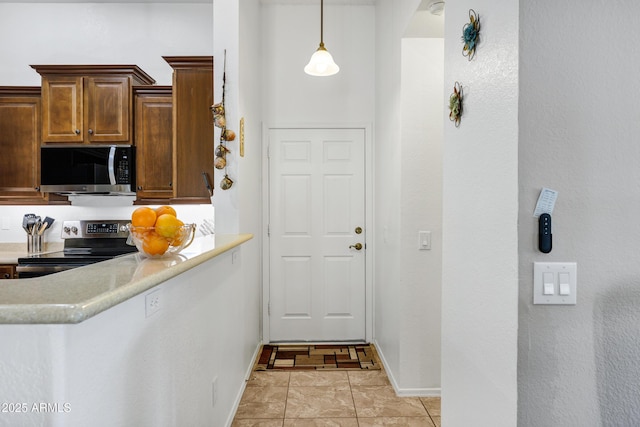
column 357, row 246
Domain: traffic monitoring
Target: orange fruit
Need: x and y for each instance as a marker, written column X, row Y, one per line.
column 179, row 237
column 168, row 226
column 139, row 232
column 153, row 244
column 143, row 217
column 161, row 210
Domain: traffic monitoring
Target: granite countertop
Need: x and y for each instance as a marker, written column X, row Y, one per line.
column 75, row 295
column 10, row 252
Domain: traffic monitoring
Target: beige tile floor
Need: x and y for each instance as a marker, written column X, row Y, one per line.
column 331, row 398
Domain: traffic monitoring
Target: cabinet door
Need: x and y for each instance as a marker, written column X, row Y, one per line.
column 7, row 271
column 20, row 143
column 193, row 132
column 154, row 147
column 107, row 106
column 62, row 109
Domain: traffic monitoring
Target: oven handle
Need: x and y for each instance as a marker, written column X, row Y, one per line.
column 111, row 165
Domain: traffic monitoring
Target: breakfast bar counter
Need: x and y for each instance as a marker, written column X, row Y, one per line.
column 133, row 341
column 76, row 295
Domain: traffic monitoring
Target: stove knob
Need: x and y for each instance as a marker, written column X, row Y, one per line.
column 74, row 229
column 67, row 230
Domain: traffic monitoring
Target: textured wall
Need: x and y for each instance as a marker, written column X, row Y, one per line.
column 578, row 365
column 480, row 220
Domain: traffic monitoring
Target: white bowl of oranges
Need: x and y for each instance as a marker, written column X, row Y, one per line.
column 158, row 232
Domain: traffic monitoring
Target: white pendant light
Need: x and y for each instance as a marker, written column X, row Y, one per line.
column 321, row 62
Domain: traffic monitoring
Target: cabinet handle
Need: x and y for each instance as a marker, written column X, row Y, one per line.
column 139, row 187
column 77, row 131
column 90, row 131
column 7, row 276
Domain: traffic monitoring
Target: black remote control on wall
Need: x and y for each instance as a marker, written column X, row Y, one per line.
column 544, row 233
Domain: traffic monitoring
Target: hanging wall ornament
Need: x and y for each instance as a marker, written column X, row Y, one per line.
column 220, row 162
column 226, row 183
column 221, row 151
column 226, row 135
column 471, row 35
column 455, row 104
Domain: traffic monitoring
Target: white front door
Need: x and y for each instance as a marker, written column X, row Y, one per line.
column 316, row 218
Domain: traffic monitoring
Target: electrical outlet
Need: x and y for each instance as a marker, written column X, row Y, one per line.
column 153, row 302
column 5, row 223
column 214, row 391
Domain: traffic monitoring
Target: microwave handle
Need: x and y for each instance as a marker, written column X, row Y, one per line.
column 111, row 165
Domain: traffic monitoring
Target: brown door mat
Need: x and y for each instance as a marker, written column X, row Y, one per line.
column 320, row 356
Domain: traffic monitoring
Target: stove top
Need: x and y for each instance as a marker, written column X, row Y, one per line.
column 85, row 242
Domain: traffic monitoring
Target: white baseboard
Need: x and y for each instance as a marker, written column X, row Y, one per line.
column 405, row 392
column 247, row 375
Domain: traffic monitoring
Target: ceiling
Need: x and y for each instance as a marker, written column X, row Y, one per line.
column 106, row 1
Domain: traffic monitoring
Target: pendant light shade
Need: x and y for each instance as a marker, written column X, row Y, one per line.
column 321, row 62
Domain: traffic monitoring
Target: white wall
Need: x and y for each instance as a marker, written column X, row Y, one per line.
column 123, row 368
column 480, row 226
column 12, row 217
column 100, row 33
column 408, row 189
column 420, row 186
column 391, row 21
column 578, row 365
column 291, row 33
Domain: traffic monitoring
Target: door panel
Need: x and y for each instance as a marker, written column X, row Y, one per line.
column 317, row 281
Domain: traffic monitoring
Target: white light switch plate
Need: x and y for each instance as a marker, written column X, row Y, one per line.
column 564, row 273
column 424, row 240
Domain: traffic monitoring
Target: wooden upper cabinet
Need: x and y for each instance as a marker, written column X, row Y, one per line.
column 192, row 127
column 63, row 111
column 20, row 144
column 89, row 103
column 154, row 144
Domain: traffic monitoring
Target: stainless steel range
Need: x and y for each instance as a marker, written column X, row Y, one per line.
column 85, row 242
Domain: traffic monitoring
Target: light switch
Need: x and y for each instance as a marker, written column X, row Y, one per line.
column 564, row 285
column 424, row 240
column 555, row 283
column 548, row 285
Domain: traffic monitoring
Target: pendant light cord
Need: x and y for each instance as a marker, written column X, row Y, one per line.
column 321, row 22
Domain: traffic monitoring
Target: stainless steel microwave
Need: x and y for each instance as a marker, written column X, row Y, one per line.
column 95, row 169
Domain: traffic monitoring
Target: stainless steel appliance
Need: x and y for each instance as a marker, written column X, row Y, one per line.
column 85, row 242
column 102, row 169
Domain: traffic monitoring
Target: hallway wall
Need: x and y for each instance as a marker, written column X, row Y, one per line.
column 578, row 365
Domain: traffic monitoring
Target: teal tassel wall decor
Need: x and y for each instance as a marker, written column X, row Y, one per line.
column 471, row 35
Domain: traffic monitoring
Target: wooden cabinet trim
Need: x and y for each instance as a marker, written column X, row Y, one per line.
column 177, row 62
column 139, row 76
column 20, row 91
